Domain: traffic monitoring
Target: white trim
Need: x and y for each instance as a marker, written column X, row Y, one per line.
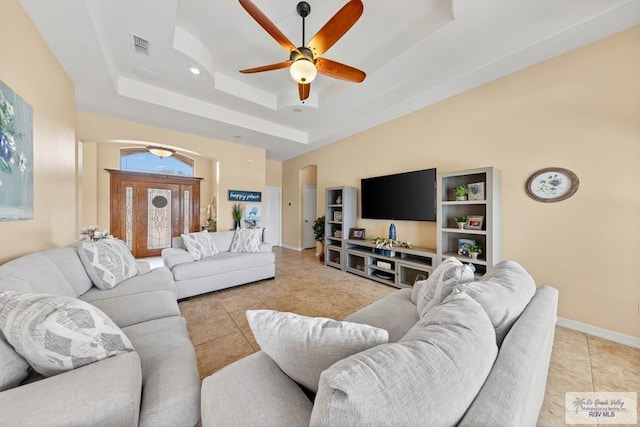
column 617, row 337
column 293, row 248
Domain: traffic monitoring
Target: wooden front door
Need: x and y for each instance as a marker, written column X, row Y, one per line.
column 147, row 210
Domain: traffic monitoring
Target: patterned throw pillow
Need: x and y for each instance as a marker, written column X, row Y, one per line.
column 108, row 262
column 441, row 282
column 303, row 346
column 13, row 368
column 247, row 240
column 199, row 245
column 56, row 334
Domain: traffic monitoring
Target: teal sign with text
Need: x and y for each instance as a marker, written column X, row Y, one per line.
column 245, row 196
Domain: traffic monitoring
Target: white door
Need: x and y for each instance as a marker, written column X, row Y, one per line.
column 273, row 216
column 308, row 216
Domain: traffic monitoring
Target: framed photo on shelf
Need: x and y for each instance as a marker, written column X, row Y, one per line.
column 356, row 233
column 464, row 245
column 476, row 191
column 337, row 216
column 474, row 222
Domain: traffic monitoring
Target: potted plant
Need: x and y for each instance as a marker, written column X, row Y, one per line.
column 318, row 233
column 236, row 214
column 461, row 192
column 474, row 251
column 461, row 220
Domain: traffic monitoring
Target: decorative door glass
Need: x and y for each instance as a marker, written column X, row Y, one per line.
column 159, row 218
column 186, row 209
column 128, row 217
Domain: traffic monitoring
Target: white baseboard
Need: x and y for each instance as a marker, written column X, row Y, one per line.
column 596, row 331
column 293, row 248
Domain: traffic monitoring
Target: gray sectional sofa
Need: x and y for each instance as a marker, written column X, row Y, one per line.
column 155, row 385
column 223, row 270
column 479, row 357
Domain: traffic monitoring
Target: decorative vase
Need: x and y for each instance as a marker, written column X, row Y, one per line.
column 392, row 232
column 236, row 224
column 461, row 225
column 474, row 255
column 461, row 198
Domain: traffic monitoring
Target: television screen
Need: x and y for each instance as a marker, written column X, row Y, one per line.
column 404, row 196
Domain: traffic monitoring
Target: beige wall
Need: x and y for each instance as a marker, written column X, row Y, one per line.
column 240, row 167
column 274, row 173
column 579, row 111
column 29, row 68
column 95, row 181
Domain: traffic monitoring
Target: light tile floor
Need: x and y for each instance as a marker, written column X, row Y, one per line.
column 221, row 335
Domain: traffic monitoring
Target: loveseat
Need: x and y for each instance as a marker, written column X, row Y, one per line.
column 235, row 258
column 157, row 384
column 460, row 351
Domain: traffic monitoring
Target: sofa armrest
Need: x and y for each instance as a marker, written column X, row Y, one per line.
column 102, row 393
column 253, row 392
column 266, row 247
column 174, row 256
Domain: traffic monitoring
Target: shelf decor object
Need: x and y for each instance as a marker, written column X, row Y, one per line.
column 482, row 215
column 552, row 185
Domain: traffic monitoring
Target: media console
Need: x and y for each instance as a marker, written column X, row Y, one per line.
column 400, row 270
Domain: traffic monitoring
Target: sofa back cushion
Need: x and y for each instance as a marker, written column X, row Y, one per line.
column 504, row 291
column 440, row 283
column 13, row 368
column 430, row 378
column 37, row 271
column 69, row 263
column 222, row 239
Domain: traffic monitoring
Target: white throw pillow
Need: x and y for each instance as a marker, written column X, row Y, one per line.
column 107, row 262
column 199, row 245
column 503, row 292
column 303, row 346
column 441, row 282
column 407, row 383
column 56, row 334
column 247, row 240
column 13, row 368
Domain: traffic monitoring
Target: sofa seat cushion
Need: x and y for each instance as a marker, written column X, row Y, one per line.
column 37, row 273
column 431, row 381
column 13, row 368
column 258, row 390
column 504, row 291
column 170, row 380
column 304, row 346
column 56, row 334
column 158, row 279
column 128, row 310
column 394, row 312
column 224, row 262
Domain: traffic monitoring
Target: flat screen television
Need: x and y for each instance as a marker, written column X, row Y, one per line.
column 403, row 196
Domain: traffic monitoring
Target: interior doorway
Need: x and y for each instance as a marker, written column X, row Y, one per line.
column 309, row 197
column 273, row 216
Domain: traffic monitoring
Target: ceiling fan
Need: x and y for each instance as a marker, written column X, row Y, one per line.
column 306, row 62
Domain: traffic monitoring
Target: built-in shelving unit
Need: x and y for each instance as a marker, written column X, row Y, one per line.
column 401, row 269
column 340, row 216
column 488, row 237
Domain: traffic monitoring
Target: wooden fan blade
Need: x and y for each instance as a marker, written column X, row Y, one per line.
column 268, row 26
column 339, row 71
column 336, row 27
column 270, row 67
column 304, row 91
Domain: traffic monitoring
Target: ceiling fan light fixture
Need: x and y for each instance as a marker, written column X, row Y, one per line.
column 160, row 151
column 303, row 71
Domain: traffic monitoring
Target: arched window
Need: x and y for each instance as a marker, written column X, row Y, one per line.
column 140, row 160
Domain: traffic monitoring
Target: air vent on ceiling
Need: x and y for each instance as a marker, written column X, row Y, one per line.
column 140, row 45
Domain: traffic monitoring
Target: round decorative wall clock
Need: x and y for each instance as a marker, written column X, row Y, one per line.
column 552, row 185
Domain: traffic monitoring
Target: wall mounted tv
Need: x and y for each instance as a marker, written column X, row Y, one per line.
column 403, row 196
